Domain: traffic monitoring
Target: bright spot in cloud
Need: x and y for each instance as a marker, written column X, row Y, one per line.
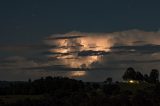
column 77, row 74
column 68, row 48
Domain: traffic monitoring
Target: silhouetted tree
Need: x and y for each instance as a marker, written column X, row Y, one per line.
column 139, row 76
column 141, row 99
column 130, row 74
column 96, row 85
column 146, row 78
column 108, row 80
column 111, row 89
column 154, row 76
column 61, row 91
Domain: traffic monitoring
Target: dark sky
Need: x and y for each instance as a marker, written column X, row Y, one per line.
column 31, row 20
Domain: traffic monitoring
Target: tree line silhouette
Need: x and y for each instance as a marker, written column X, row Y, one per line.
column 131, row 74
column 62, row 91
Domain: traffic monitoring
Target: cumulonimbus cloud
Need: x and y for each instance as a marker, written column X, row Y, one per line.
column 81, row 54
column 80, row 50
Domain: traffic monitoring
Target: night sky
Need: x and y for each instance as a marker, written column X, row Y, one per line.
column 34, row 33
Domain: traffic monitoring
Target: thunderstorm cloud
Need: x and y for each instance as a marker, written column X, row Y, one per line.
column 86, row 56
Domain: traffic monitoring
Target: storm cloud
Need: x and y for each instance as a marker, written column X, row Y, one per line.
column 88, row 55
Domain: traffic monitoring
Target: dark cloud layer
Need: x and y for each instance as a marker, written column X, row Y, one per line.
column 66, row 37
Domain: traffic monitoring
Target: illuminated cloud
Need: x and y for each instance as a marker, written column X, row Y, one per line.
column 88, row 56
column 81, row 50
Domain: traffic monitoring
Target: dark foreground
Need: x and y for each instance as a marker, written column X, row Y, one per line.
column 60, row 91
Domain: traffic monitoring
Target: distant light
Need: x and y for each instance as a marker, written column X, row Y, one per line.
column 131, row 81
